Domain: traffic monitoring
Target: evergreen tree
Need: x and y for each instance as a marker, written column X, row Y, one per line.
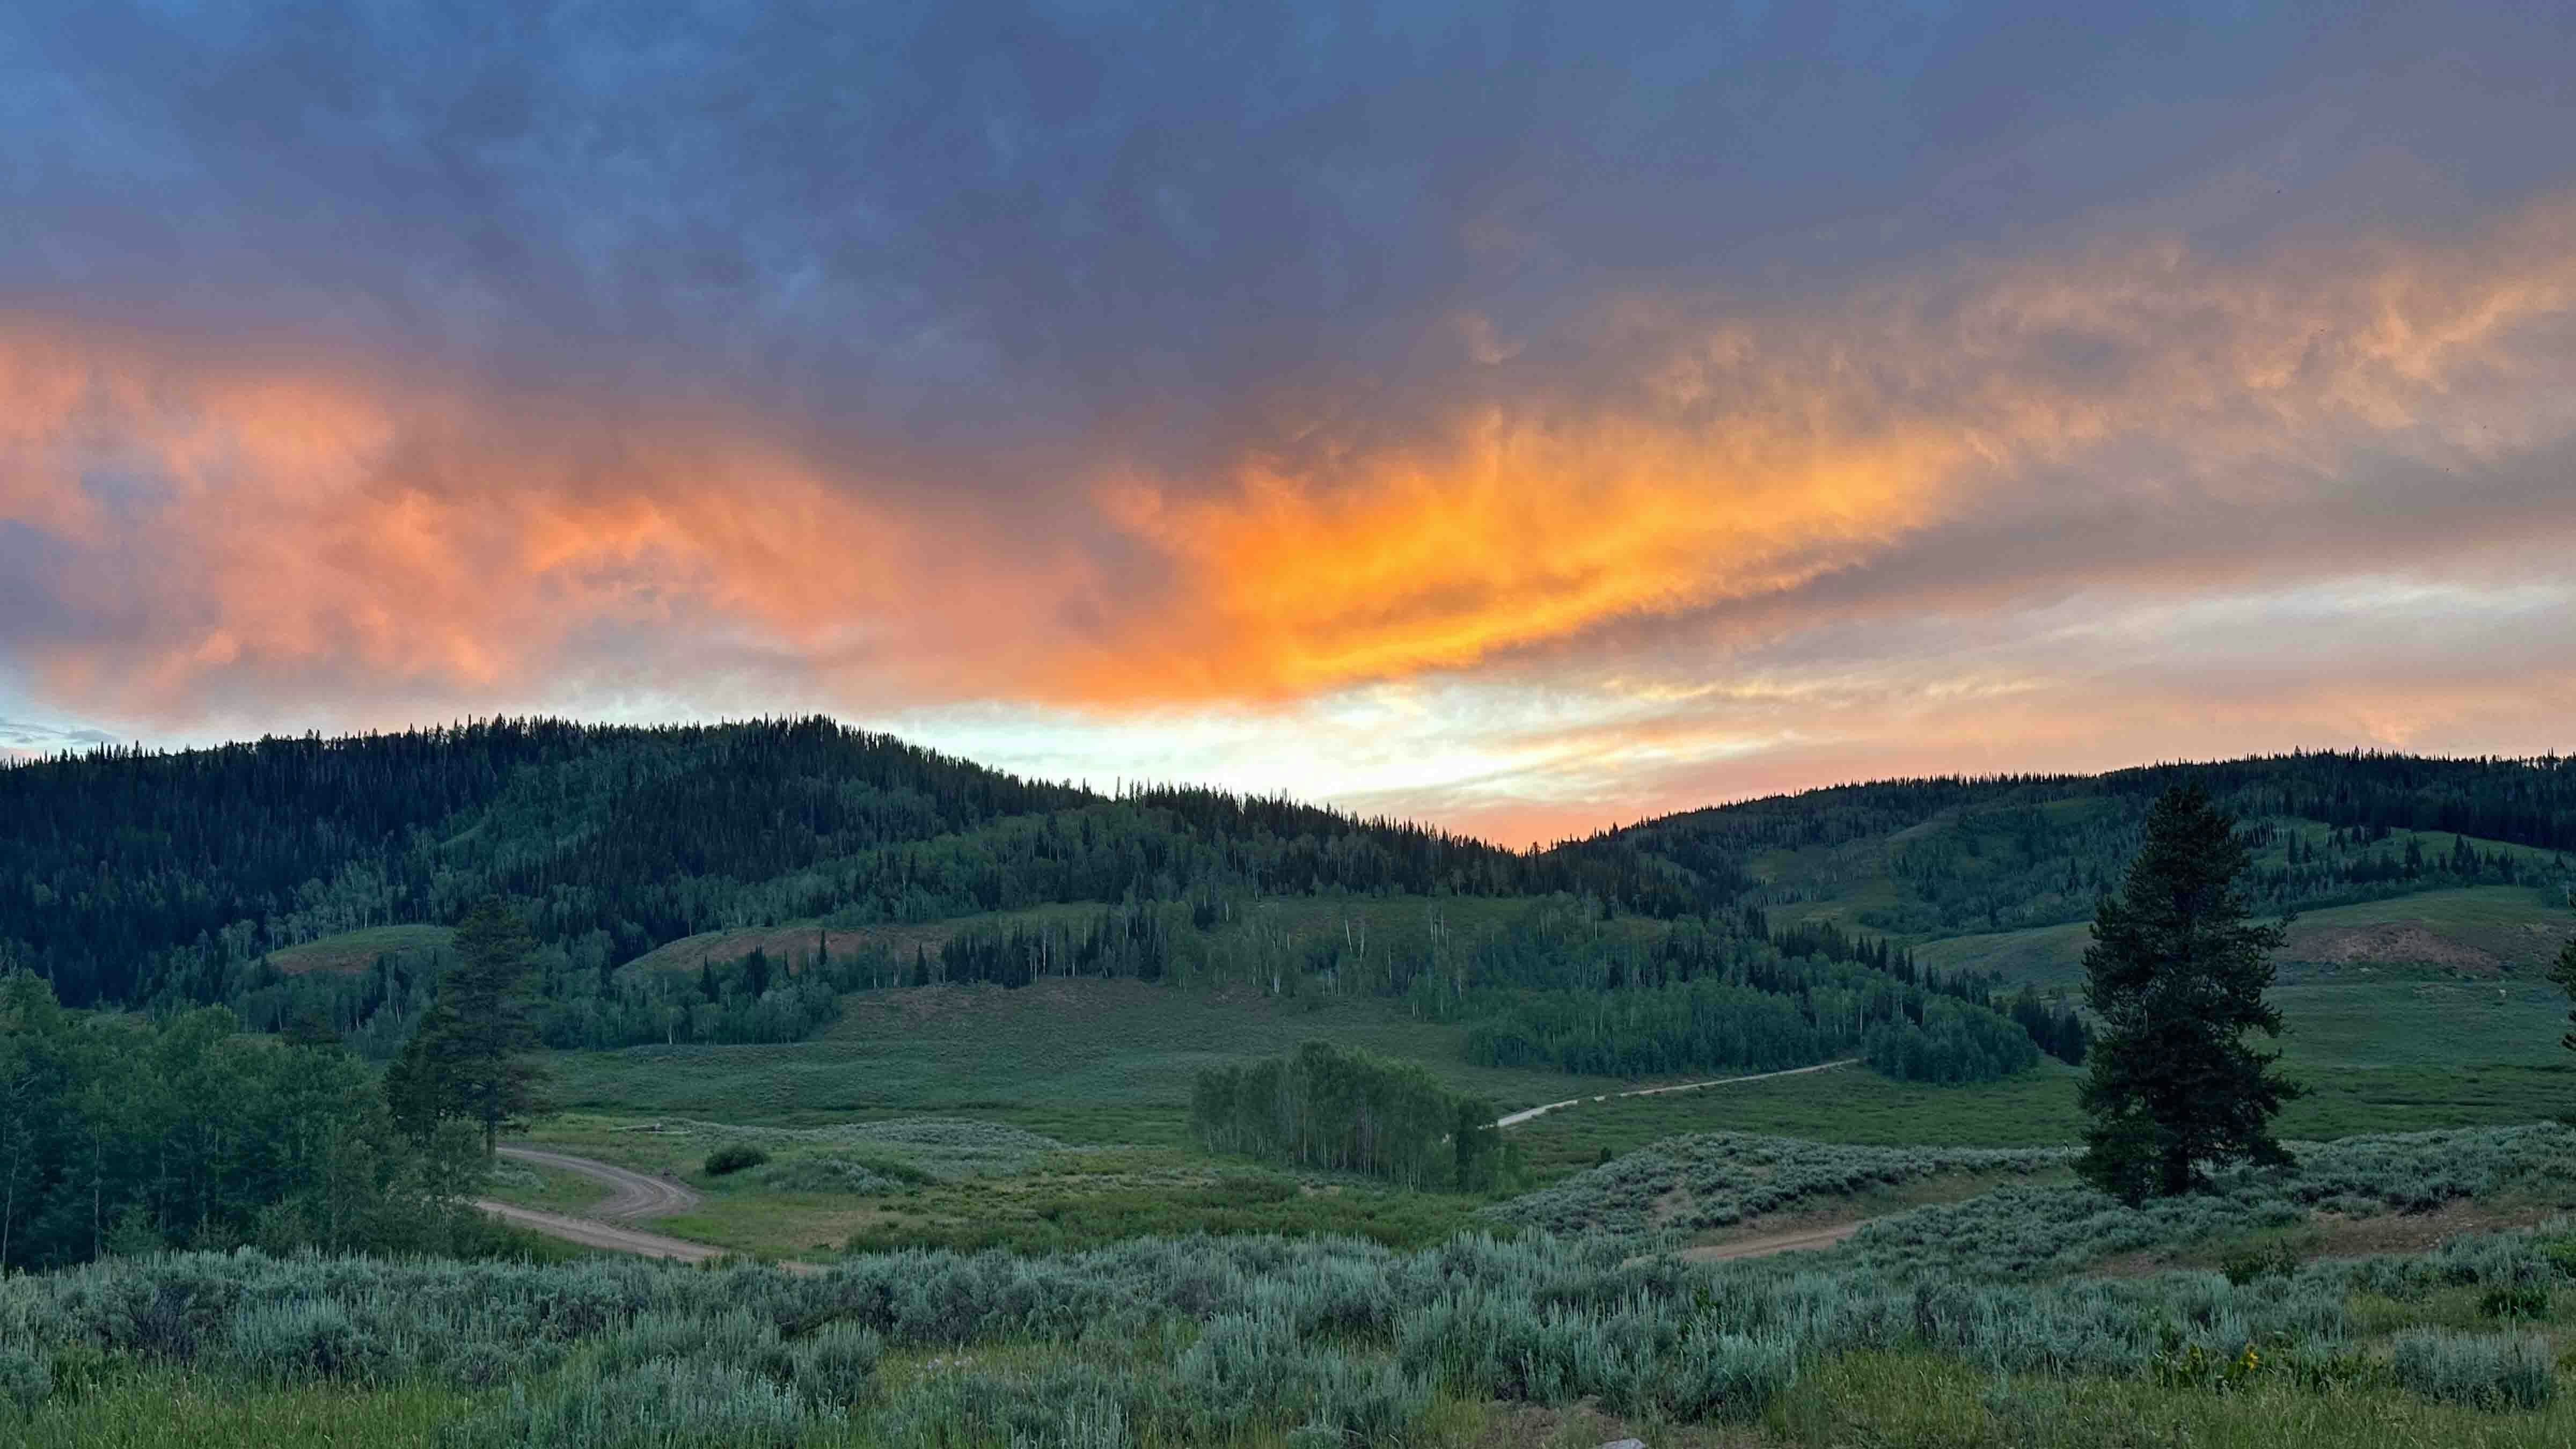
column 2177, row 975
column 469, row 1059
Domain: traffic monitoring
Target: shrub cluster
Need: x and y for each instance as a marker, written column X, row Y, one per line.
column 1188, row 1341
column 734, row 1157
column 2025, row 1231
column 1718, row 1179
column 2486, row 1371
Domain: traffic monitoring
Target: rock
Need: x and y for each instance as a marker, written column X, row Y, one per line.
column 1625, row 1444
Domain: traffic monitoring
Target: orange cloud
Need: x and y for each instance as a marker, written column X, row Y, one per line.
column 239, row 524
column 1516, row 530
column 1741, row 458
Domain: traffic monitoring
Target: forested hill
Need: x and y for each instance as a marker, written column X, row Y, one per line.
column 136, row 876
column 131, row 876
column 1929, row 858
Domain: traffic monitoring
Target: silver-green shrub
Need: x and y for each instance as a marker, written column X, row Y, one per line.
column 299, row 1340
column 2487, row 1371
column 664, row 1404
column 25, row 1378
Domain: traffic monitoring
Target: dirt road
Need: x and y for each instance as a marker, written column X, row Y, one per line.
column 593, row 1234
column 631, row 1195
column 1514, row 1119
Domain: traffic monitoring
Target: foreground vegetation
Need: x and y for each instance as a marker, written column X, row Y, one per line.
column 1264, row 1341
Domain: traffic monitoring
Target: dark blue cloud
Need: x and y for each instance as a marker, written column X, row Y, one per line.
column 960, row 235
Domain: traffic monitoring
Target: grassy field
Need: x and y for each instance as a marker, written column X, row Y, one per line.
column 2480, row 930
column 1087, row 1061
column 1102, row 1067
column 2034, row 1109
column 356, row 950
column 2368, row 1017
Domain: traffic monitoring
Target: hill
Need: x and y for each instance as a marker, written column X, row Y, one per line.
column 139, row 875
column 734, row 883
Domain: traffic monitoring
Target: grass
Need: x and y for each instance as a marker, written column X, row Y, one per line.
column 2487, row 927
column 982, row 1185
column 1088, row 1061
column 2340, row 1103
column 797, row 941
column 1923, row 1401
column 2370, row 1017
column 551, row 1188
column 356, row 950
column 2035, row 1109
column 1851, row 1105
column 182, row 1410
column 1874, row 1400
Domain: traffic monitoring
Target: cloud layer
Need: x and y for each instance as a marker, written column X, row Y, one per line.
column 1523, row 421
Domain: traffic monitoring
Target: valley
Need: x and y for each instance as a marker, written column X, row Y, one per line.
column 874, row 1110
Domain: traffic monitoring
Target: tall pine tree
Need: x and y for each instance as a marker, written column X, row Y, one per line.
column 469, row 1057
column 2177, row 975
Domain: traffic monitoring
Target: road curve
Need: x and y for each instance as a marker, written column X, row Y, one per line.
column 591, row 1234
column 631, row 1195
column 1514, row 1119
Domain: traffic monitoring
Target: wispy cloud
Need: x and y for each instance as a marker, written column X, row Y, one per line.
column 1522, row 421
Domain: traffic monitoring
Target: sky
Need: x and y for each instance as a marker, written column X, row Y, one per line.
column 1526, row 417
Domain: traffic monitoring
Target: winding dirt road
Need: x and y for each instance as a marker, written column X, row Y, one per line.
column 632, row 1196
column 1515, row 1119
column 593, row 1234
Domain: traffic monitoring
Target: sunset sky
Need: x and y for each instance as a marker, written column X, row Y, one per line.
column 1526, row 417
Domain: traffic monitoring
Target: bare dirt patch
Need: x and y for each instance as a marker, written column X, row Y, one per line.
column 797, row 946
column 1763, row 1246
column 355, row 950
column 2389, row 943
column 1585, row 1426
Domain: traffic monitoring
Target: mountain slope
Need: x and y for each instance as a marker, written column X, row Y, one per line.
column 132, row 876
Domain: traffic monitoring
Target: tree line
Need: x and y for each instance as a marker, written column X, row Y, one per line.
column 1345, row 1110
column 149, row 877
column 126, row 1135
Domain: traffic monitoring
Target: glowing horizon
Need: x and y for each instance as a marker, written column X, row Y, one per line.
column 1416, row 425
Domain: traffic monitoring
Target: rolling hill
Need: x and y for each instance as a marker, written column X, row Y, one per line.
column 732, row 883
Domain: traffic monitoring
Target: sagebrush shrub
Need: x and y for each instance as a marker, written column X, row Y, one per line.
column 734, row 1157
column 2487, row 1371
column 25, row 1379
column 295, row 1341
column 1066, row 1406
column 667, row 1404
column 2522, row 1298
column 835, row 1365
column 2275, row 1259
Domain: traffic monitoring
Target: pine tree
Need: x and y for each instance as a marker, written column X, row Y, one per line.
column 2177, row 975
column 469, row 1058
